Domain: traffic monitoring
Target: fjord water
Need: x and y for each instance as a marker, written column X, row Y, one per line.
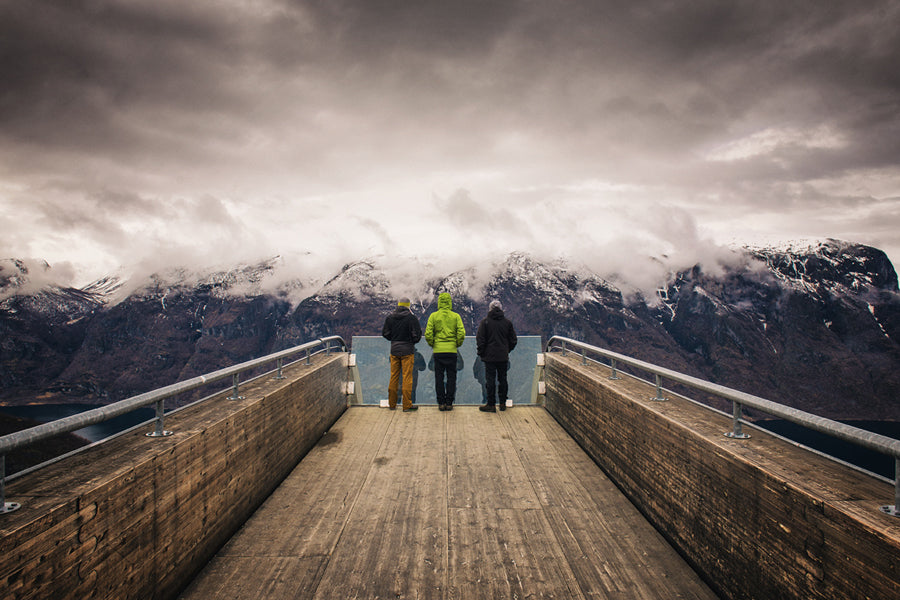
column 869, row 460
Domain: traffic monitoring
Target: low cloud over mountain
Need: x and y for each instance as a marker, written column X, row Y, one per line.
column 815, row 327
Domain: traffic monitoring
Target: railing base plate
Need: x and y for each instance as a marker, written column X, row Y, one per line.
column 158, row 434
column 9, row 507
column 890, row 510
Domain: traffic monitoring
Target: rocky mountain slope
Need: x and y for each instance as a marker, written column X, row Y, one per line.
column 815, row 327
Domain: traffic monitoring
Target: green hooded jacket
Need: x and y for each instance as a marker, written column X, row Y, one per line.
column 445, row 331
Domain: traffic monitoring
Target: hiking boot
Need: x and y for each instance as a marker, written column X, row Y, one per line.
column 487, row 408
column 411, row 408
column 448, row 407
column 503, row 405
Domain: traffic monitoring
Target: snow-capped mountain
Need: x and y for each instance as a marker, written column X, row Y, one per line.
column 25, row 287
column 815, row 327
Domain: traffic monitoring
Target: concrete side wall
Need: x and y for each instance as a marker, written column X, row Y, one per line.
column 137, row 517
column 758, row 518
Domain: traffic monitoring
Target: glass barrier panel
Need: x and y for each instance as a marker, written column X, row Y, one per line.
column 375, row 369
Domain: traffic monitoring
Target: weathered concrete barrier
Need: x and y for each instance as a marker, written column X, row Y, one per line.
column 137, row 517
column 758, row 518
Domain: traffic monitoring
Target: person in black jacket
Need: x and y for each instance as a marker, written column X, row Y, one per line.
column 495, row 339
column 403, row 330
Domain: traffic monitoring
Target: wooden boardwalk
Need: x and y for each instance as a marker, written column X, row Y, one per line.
column 458, row 504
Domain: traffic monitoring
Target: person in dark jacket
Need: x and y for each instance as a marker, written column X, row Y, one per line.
column 495, row 339
column 402, row 328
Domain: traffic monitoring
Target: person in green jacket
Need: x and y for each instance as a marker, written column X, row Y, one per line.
column 445, row 333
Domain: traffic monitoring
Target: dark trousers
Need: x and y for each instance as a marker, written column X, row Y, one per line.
column 495, row 376
column 445, row 377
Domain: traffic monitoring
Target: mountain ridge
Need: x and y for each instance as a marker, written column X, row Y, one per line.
column 813, row 327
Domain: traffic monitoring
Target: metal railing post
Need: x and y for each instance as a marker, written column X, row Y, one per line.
column 614, row 375
column 280, row 363
column 564, row 348
column 159, row 431
column 894, row 510
column 307, row 356
column 583, row 357
column 659, row 397
column 736, row 432
column 5, row 506
column 235, row 382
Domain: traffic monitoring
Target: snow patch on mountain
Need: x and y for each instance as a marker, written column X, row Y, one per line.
column 360, row 279
column 828, row 266
column 27, row 286
column 24, row 277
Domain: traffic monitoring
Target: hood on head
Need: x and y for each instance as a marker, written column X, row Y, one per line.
column 444, row 301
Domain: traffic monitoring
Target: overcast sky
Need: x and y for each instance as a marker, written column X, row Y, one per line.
column 154, row 133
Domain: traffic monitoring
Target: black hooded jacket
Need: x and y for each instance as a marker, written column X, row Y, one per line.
column 496, row 337
column 403, row 330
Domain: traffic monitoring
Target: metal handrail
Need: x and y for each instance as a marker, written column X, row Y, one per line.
column 23, row 438
column 848, row 433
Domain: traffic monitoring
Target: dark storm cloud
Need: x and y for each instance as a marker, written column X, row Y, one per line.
column 80, row 63
column 116, row 113
column 99, row 215
column 662, row 74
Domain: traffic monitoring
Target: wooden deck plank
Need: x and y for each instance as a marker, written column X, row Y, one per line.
column 457, row 504
column 259, row 578
column 312, row 500
column 298, row 526
column 395, row 542
column 604, row 537
column 506, row 553
column 483, row 468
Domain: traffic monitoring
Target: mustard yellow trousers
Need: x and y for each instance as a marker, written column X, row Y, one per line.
column 405, row 365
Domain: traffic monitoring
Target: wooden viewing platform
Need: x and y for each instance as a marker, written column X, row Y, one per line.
column 461, row 504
